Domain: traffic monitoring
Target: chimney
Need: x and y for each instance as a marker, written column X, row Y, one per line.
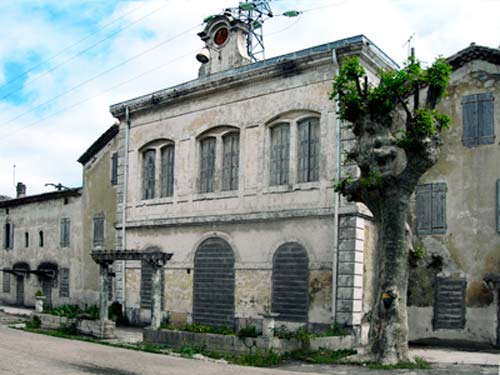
column 21, row 190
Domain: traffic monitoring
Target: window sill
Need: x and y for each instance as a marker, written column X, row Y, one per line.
column 156, row 201
column 277, row 189
column 216, row 195
column 314, row 185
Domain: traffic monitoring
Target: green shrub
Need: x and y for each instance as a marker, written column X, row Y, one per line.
column 34, row 323
column 248, row 331
column 75, row 312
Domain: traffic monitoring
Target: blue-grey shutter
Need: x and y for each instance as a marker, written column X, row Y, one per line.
column 424, row 209
column 230, row 161
column 64, row 282
column 6, row 283
column 274, row 156
column 65, row 230
column 486, row 131
column 98, row 236
column 6, row 236
column 449, row 303
column 114, row 169
column 149, row 174
column 470, row 120
column 11, row 239
column 439, row 208
column 314, row 145
column 285, row 155
column 498, row 206
column 167, row 171
column 207, row 165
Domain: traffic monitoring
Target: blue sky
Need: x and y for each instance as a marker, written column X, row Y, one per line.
column 63, row 63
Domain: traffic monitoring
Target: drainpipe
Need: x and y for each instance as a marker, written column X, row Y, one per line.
column 336, row 199
column 124, row 201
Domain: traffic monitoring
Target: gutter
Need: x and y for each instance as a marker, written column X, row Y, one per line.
column 124, row 201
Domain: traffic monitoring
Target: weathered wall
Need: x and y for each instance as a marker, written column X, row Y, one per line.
column 469, row 249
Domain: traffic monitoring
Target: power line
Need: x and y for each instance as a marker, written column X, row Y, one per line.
column 86, row 49
column 124, row 62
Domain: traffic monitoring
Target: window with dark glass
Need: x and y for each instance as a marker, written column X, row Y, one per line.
column 308, row 150
column 40, row 238
column 207, row 165
column 167, row 170
column 149, row 174
column 230, row 161
column 8, row 236
column 280, row 154
column 26, row 239
column 114, row 169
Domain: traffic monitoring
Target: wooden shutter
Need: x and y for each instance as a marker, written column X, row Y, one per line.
column 498, row 206
column 64, row 282
column 290, row 291
column 439, row 208
column 11, row 236
column 449, row 303
column 167, row 171
column 65, row 230
column 230, row 161
column 486, row 131
column 469, row 114
column 98, row 235
column 424, row 209
column 6, row 283
column 114, row 169
column 280, row 154
column 149, row 174
column 207, row 165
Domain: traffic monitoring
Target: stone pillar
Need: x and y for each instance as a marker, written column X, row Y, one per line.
column 103, row 293
column 156, row 315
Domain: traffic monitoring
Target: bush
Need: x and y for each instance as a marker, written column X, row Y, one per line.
column 248, row 331
column 34, row 323
column 75, row 312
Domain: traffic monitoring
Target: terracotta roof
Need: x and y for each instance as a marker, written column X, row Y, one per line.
column 97, row 146
column 474, row 52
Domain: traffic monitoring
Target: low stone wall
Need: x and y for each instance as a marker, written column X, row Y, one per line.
column 233, row 344
column 86, row 327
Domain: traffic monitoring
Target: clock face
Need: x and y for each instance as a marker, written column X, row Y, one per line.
column 221, row 36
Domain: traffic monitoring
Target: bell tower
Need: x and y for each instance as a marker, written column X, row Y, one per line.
column 226, row 47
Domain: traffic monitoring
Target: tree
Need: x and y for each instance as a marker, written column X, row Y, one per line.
column 397, row 140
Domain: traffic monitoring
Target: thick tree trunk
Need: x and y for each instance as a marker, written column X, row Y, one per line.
column 389, row 323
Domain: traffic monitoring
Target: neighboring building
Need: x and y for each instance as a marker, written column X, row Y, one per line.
column 452, row 293
column 234, row 174
column 100, row 178
column 41, row 248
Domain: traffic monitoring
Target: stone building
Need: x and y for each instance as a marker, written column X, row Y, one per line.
column 453, row 290
column 234, row 174
column 41, row 248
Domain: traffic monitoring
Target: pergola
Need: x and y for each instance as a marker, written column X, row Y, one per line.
column 156, row 258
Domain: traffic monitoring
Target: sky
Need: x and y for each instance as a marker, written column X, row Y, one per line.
column 63, row 63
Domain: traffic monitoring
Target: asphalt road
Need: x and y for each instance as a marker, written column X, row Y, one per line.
column 26, row 353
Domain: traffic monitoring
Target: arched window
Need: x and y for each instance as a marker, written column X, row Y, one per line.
column 148, row 174
column 230, row 161
column 167, row 170
column 207, row 164
column 280, row 154
column 290, row 296
column 308, row 152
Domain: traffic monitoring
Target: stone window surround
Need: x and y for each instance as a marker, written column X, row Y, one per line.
column 156, row 145
column 217, row 132
column 293, row 118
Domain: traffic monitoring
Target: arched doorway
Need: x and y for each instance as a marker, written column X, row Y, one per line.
column 21, row 271
column 47, row 276
column 213, row 289
column 290, row 296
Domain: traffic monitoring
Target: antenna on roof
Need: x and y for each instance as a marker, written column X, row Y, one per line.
column 409, row 44
column 254, row 13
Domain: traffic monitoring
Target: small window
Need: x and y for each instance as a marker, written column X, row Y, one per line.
column 40, row 238
column 149, row 157
column 98, row 233
column 6, row 282
column 230, row 161
column 114, row 169
column 65, row 232
column 478, row 119
column 308, row 150
column 449, row 303
column 8, row 236
column 167, row 170
column 431, row 208
column 280, row 154
column 64, row 282
column 26, row 239
column 207, row 165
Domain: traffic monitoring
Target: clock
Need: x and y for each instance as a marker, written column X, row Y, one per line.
column 220, row 36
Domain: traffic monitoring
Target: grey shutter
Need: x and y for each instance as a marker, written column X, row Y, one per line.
column 6, row 283
column 167, row 171
column 486, row 131
column 449, row 304
column 11, row 236
column 114, row 169
column 65, row 230
column 469, row 114
column 304, row 151
column 6, row 236
column 280, row 154
column 439, row 208
column 314, row 149
column 62, row 243
column 498, row 206
column 207, row 165
column 146, row 285
column 98, row 236
column 64, row 282
column 290, row 290
column 230, row 161
column 149, row 174
column 424, row 209
column 110, row 286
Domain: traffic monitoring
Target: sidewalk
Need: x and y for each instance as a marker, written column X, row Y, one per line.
column 455, row 356
column 17, row 311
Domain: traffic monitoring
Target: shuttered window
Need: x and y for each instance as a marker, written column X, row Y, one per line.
column 431, row 208
column 64, row 282
column 147, row 286
column 8, row 236
column 148, row 174
column 498, row 206
column 280, row 154
column 231, row 160
column 290, row 295
column 478, row 119
column 308, row 151
column 114, row 169
column 167, row 170
column 98, row 232
column 6, row 282
column 65, row 232
column 449, row 303
column 207, row 165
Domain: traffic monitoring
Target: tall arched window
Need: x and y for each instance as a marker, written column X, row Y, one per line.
column 290, row 296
